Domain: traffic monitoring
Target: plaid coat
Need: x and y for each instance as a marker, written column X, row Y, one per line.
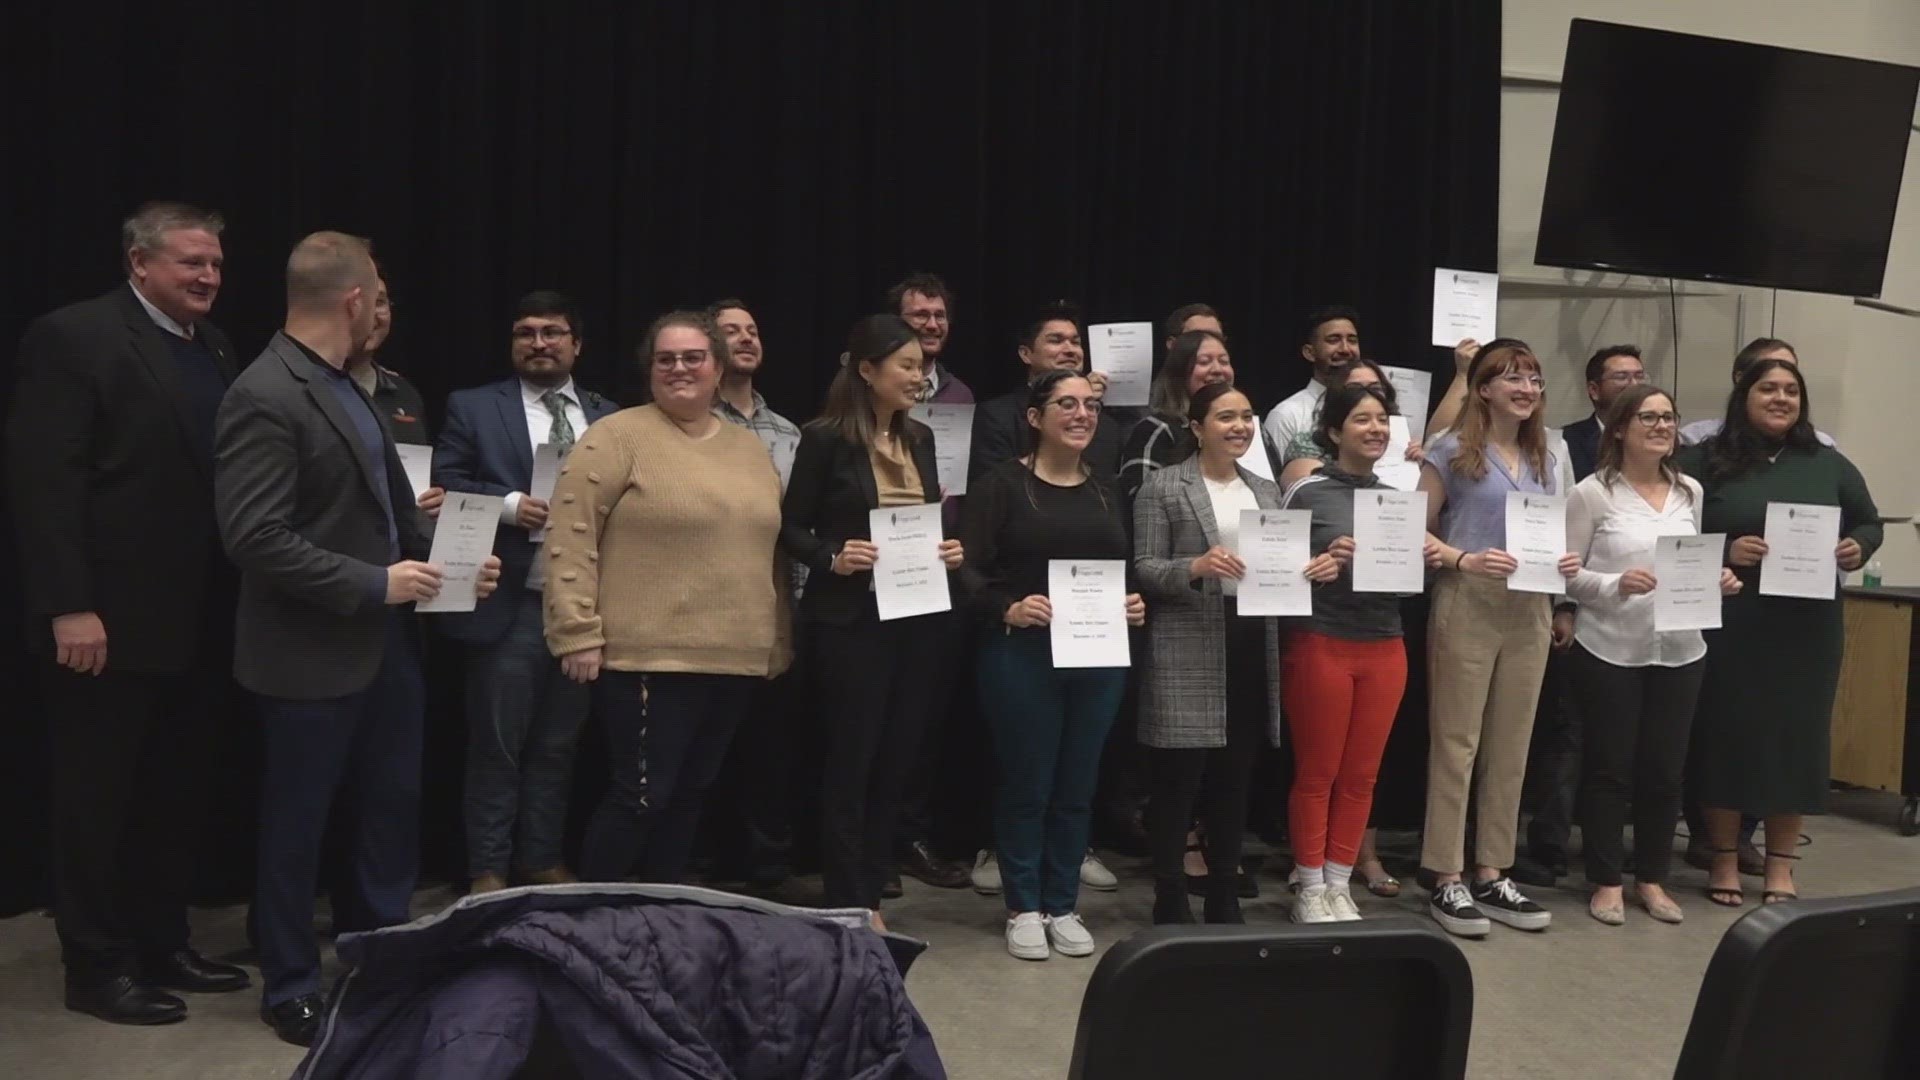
column 1183, row 698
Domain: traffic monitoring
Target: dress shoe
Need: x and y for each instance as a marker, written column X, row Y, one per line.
column 556, row 875
column 1528, row 871
column 486, row 883
column 124, row 1001
column 184, row 969
column 891, row 889
column 921, row 862
column 296, row 1020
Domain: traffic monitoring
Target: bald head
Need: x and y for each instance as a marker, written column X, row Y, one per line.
column 324, row 268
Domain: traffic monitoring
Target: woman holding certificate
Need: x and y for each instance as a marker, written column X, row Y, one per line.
column 1345, row 667
column 665, row 585
column 864, row 453
column 1024, row 521
column 1636, row 683
column 1761, row 730
column 1487, row 642
column 1211, row 690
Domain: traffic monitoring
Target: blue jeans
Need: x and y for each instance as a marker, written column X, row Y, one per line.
column 1049, row 726
column 523, row 718
column 367, row 746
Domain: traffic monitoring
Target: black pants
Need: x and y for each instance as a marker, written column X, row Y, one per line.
column 1223, row 774
column 939, row 804
column 667, row 734
column 1553, row 768
column 1636, row 721
column 873, row 693
column 754, row 804
column 129, row 779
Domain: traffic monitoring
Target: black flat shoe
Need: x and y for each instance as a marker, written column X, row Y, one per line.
column 921, row 862
column 124, row 1001
column 184, row 969
column 296, row 1021
column 892, row 889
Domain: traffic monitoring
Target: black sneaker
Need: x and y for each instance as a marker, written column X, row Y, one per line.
column 1503, row 901
column 1453, row 909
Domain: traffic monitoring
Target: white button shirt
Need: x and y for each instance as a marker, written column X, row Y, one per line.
column 1614, row 530
column 539, row 426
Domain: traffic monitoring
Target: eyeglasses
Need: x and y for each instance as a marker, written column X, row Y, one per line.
column 1624, row 378
column 1515, row 378
column 1090, row 406
column 526, row 335
column 690, row 359
column 1651, row 420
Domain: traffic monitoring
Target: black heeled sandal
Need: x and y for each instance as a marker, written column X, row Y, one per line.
column 1778, row 896
column 1716, row 892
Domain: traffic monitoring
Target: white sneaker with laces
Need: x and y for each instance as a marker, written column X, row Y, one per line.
column 1068, row 935
column 1340, row 902
column 986, row 874
column 1095, row 875
column 1027, row 936
column 1311, row 906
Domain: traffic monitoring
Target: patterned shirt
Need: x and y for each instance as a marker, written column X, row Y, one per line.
column 781, row 438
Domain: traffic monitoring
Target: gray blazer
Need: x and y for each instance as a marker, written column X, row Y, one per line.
column 295, row 495
column 1183, row 695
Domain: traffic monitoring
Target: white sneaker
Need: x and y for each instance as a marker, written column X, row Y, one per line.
column 1068, row 935
column 1311, row 906
column 1340, row 902
column 1095, row 875
column 986, row 874
column 1027, row 935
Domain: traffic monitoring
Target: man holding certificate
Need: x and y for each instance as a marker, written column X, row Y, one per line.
column 1762, row 727
column 315, row 510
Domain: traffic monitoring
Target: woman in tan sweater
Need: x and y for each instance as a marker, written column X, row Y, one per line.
column 665, row 586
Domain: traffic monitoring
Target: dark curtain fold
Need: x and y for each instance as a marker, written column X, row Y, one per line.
column 1264, row 157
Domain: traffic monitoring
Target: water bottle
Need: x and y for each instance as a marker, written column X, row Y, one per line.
column 1871, row 578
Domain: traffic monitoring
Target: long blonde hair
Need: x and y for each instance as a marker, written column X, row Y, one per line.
column 1499, row 357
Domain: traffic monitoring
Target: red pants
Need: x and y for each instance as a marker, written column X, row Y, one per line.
column 1340, row 698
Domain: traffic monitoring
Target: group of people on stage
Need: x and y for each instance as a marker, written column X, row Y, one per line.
column 701, row 561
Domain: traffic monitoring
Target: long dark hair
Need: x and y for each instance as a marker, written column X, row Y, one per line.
column 1340, row 403
column 1039, row 392
column 1613, row 435
column 849, row 409
column 1739, row 446
column 1387, row 391
column 1168, row 398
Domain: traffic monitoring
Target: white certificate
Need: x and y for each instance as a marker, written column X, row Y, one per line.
column 1389, row 541
column 1393, row 469
column 1255, row 459
column 1800, row 542
column 1465, row 303
column 418, row 461
column 1536, row 538
column 1276, row 545
column 1123, row 352
column 908, row 577
column 1089, row 598
column 1686, row 572
column 952, row 441
column 1413, row 391
column 462, row 540
column 546, row 473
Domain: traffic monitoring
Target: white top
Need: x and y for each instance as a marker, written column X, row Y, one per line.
column 1229, row 498
column 160, row 318
column 1701, row 430
column 540, row 425
column 1294, row 415
column 1614, row 530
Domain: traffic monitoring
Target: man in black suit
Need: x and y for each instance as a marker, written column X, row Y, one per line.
column 110, row 452
column 315, row 509
column 1610, row 372
column 1053, row 338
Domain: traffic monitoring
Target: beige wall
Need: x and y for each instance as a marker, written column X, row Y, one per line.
column 1862, row 365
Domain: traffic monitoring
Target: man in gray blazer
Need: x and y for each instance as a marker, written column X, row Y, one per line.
column 315, row 509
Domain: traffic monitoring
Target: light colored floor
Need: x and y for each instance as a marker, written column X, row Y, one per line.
column 1579, row 1000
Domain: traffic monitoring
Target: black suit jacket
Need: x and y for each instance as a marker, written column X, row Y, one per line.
column 829, row 494
column 296, row 498
column 1001, row 431
column 111, row 493
column 1583, row 446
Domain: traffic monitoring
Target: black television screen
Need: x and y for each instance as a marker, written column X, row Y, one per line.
column 1694, row 157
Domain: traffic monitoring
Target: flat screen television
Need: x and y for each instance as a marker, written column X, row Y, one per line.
column 1694, row 157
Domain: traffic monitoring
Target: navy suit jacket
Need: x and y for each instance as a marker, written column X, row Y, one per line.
column 484, row 449
column 1583, row 446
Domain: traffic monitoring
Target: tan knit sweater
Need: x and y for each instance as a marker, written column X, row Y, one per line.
column 663, row 550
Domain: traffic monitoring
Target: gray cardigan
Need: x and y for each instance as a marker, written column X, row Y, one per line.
column 1183, row 695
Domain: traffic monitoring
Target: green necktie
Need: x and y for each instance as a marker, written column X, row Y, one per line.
column 560, row 435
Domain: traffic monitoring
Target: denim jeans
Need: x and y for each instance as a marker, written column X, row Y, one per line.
column 523, row 718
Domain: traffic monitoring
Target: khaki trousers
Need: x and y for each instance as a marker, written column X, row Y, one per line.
column 1486, row 654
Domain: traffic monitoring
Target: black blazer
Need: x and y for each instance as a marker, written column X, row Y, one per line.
column 296, row 498
column 1583, row 446
column 111, row 494
column 829, row 494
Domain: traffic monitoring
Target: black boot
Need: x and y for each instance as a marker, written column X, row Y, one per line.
column 1170, row 903
column 1223, row 901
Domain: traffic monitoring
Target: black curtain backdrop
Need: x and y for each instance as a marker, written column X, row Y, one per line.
column 1133, row 156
